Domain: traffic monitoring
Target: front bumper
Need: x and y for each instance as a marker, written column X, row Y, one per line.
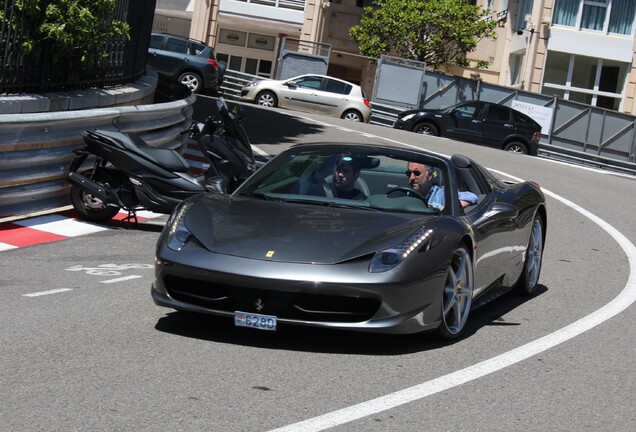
column 344, row 296
column 403, row 125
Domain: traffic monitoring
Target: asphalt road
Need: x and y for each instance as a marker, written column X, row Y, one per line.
column 96, row 353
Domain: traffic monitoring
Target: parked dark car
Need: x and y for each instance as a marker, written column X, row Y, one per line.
column 484, row 123
column 186, row 61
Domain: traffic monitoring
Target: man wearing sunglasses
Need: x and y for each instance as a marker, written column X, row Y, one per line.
column 421, row 180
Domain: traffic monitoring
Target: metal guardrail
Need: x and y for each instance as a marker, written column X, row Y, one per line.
column 36, row 149
column 385, row 115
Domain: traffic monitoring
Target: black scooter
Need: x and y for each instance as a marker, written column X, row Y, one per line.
column 131, row 175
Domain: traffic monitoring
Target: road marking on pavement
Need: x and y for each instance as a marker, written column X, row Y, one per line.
column 121, row 279
column 621, row 302
column 53, row 227
column 43, row 293
column 5, row 246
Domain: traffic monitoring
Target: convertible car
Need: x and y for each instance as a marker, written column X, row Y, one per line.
column 284, row 250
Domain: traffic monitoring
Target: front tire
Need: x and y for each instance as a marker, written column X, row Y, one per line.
column 91, row 208
column 527, row 283
column 426, row 128
column 352, row 115
column 267, row 99
column 457, row 296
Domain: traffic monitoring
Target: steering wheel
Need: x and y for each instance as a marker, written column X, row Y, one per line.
column 408, row 192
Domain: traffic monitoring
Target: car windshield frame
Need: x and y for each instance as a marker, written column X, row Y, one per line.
column 298, row 176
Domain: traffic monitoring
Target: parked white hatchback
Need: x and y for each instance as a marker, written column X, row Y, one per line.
column 311, row 93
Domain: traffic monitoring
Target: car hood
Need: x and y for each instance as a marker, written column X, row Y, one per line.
column 291, row 232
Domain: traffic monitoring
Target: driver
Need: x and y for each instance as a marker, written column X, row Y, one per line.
column 421, row 180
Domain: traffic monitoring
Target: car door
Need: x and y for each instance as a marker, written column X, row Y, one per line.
column 301, row 93
column 493, row 225
column 333, row 97
column 465, row 122
column 497, row 124
column 156, row 41
column 170, row 57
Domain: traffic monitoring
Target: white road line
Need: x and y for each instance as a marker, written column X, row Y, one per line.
column 121, row 279
column 61, row 225
column 43, row 293
column 5, row 246
column 625, row 299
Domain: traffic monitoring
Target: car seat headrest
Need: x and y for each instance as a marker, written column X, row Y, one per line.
column 461, row 161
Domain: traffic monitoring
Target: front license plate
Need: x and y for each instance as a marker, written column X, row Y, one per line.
column 257, row 321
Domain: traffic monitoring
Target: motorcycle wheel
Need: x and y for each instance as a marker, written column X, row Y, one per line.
column 89, row 207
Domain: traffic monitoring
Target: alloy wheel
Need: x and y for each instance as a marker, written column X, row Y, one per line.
column 458, row 293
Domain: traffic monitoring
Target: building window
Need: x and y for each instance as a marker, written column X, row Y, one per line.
column 590, row 80
column 608, row 16
column 251, row 53
column 516, row 65
column 525, row 8
column 253, row 66
column 259, row 41
column 232, row 37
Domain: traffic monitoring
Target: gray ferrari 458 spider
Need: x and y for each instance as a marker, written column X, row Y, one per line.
column 333, row 235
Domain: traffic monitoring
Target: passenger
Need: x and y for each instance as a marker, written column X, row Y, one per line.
column 421, row 180
column 346, row 172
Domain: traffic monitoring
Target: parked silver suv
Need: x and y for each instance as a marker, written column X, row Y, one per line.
column 186, row 61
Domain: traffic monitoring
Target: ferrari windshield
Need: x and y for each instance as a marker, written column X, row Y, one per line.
column 352, row 176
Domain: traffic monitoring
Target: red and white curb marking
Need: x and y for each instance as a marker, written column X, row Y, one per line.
column 54, row 227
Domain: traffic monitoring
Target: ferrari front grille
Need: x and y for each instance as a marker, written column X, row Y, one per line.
column 285, row 305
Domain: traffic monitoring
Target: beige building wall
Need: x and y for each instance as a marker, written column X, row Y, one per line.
column 204, row 21
column 328, row 23
column 630, row 90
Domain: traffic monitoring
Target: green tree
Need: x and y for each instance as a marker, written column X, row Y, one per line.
column 76, row 31
column 438, row 32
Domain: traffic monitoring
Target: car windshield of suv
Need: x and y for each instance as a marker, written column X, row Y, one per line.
column 344, row 177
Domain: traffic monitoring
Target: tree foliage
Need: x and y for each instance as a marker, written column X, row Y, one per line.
column 75, row 32
column 438, row 32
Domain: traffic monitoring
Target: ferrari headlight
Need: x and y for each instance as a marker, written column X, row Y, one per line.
column 390, row 258
column 408, row 117
column 178, row 234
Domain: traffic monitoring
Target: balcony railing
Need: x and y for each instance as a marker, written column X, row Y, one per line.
column 284, row 4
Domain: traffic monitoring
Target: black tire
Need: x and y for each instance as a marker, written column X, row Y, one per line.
column 267, row 98
column 352, row 115
column 426, row 128
column 90, row 208
column 191, row 80
column 457, row 295
column 516, row 147
column 527, row 283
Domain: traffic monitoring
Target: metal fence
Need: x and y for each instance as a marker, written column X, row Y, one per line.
column 578, row 132
column 21, row 72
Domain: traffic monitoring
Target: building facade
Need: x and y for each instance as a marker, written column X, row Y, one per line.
column 580, row 50
column 248, row 34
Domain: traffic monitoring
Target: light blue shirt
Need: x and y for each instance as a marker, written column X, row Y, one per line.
column 436, row 197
